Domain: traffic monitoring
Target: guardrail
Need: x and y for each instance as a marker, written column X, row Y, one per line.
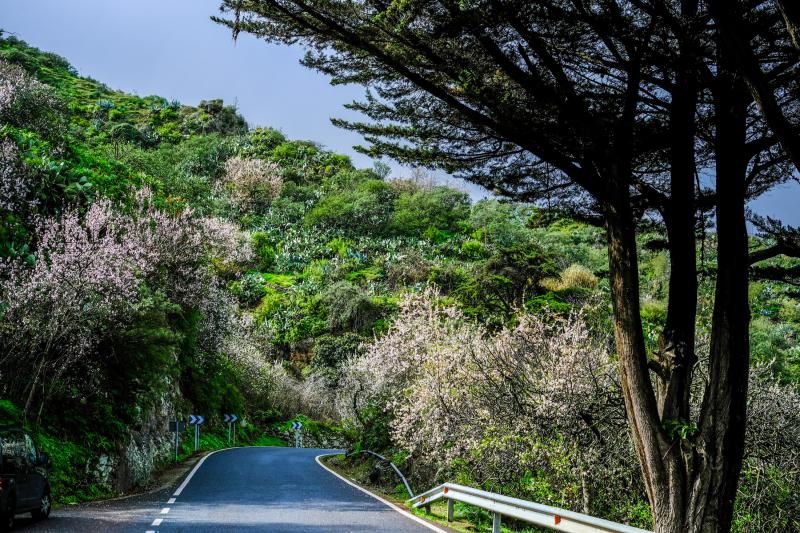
column 396, row 470
column 534, row 513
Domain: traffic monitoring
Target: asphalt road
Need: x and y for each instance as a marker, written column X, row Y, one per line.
column 244, row 489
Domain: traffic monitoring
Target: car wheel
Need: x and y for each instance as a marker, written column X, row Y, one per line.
column 7, row 520
column 45, row 504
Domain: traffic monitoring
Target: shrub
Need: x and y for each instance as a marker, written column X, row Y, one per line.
column 264, row 250
column 250, row 288
column 30, row 104
column 510, row 408
column 571, row 278
column 253, row 183
column 364, row 210
column 440, row 208
column 330, row 351
column 349, row 307
column 86, row 283
column 261, row 142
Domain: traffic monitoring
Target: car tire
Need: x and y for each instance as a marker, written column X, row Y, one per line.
column 45, row 506
column 7, row 519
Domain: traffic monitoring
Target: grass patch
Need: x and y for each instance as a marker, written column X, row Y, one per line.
column 269, row 440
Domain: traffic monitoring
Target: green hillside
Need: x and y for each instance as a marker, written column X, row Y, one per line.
column 161, row 259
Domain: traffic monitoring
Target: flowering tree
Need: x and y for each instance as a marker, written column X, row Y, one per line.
column 15, row 188
column 84, row 281
column 252, row 183
column 26, row 102
column 536, row 410
column 13, row 80
column 88, row 277
column 227, row 242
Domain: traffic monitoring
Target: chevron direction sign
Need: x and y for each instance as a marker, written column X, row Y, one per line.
column 196, row 420
column 231, row 421
column 298, row 435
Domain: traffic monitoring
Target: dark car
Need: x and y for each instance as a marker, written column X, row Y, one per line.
column 24, row 483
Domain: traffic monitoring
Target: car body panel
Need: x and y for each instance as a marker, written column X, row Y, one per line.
column 23, row 473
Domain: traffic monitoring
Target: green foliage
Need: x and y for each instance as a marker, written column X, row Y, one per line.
column 269, row 440
column 142, row 358
column 264, row 250
column 493, row 289
column 261, row 143
column 100, row 111
column 440, row 208
column 330, row 351
column 778, row 508
column 367, row 209
column 9, row 413
column 250, row 289
column 68, row 460
column 349, row 307
column 679, row 429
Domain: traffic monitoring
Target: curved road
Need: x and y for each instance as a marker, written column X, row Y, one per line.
column 245, row 489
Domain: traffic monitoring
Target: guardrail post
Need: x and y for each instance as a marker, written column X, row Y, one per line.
column 428, row 508
column 449, row 510
column 495, row 522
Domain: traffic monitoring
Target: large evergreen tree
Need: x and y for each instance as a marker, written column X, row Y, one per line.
column 623, row 110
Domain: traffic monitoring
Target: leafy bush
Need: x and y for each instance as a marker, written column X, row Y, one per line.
column 264, row 250
column 249, row 289
column 366, row 209
column 331, row 351
column 349, row 307
column 440, row 208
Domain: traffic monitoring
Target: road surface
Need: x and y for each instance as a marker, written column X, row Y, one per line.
column 244, row 489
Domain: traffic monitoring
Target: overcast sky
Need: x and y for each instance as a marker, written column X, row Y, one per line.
column 172, row 49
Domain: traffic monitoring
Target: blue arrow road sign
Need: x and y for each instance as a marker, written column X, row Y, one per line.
column 196, row 420
column 230, row 419
column 297, row 425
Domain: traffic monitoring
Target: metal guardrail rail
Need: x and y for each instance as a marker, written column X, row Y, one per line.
column 534, row 513
column 394, row 467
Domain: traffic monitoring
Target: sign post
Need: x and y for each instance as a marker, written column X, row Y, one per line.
column 177, row 426
column 196, row 421
column 298, row 435
column 231, row 421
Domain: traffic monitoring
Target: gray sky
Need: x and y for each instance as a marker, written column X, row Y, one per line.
column 172, row 49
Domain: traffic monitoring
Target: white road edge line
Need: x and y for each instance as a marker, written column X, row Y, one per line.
column 202, row 460
column 386, row 502
column 195, row 469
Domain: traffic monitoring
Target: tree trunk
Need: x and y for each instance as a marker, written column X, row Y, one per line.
column 662, row 472
column 676, row 357
column 720, row 446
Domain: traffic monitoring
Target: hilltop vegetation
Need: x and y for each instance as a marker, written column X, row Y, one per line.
column 160, row 259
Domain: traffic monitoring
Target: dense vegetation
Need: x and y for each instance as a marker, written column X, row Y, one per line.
column 162, row 256
column 634, row 114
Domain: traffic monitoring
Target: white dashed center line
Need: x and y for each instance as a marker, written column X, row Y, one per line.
column 165, row 510
column 157, row 522
column 171, row 501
